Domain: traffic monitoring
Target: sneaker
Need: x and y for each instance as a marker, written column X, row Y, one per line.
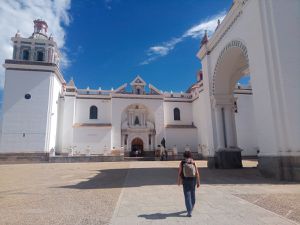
column 189, row 215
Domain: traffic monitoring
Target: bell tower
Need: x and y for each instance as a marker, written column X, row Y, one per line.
column 38, row 47
column 33, row 85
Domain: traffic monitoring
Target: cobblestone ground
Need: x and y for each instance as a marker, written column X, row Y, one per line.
column 75, row 193
column 141, row 193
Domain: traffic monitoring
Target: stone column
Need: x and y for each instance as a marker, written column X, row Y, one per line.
column 131, row 118
column 46, row 54
column 219, row 126
column 18, row 52
column 32, row 52
column 229, row 126
column 152, row 142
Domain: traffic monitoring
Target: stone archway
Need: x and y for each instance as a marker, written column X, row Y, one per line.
column 240, row 48
column 273, row 66
column 137, row 147
column 232, row 64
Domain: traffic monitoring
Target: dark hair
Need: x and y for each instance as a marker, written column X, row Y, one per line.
column 187, row 154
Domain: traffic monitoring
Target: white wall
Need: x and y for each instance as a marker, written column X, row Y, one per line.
column 282, row 38
column 68, row 104
column 201, row 115
column 186, row 114
column 94, row 138
column 181, row 137
column 55, row 90
column 25, row 116
column 245, row 125
column 83, row 110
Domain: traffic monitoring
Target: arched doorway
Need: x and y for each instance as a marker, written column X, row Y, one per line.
column 137, row 147
column 138, row 121
column 231, row 66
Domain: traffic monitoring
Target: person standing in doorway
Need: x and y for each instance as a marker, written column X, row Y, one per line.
column 163, row 149
column 188, row 176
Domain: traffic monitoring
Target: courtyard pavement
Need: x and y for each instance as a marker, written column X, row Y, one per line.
column 141, row 193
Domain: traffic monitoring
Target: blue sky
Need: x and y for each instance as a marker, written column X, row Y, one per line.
column 109, row 42
column 106, row 43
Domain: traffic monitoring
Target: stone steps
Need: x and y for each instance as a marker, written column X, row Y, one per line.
column 139, row 158
column 92, row 158
column 7, row 158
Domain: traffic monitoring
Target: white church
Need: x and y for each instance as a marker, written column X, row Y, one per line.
column 42, row 112
column 216, row 117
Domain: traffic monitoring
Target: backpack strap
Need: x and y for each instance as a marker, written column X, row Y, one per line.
column 182, row 163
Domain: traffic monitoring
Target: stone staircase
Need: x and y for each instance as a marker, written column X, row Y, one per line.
column 8, row 158
column 146, row 158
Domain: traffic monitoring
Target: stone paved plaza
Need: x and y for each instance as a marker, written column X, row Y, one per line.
column 141, row 193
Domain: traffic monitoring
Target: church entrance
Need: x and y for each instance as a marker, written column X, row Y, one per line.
column 137, row 147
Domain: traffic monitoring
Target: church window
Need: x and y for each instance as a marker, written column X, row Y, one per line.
column 149, row 139
column 176, row 114
column 93, row 112
column 40, row 56
column 25, row 55
column 136, row 121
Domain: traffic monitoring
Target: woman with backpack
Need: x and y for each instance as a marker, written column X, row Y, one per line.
column 188, row 175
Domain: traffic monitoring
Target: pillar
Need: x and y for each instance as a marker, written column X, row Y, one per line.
column 229, row 126
column 219, row 126
column 32, row 52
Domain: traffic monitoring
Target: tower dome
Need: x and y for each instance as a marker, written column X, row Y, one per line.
column 40, row 29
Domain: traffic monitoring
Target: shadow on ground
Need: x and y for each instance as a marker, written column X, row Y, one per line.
column 114, row 178
column 162, row 216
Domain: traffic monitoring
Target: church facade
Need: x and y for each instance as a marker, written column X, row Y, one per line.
column 43, row 113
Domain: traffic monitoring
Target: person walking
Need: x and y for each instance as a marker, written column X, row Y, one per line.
column 163, row 149
column 188, row 176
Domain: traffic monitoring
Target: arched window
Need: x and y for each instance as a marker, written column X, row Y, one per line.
column 176, row 114
column 40, row 56
column 136, row 121
column 25, row 55
column 93, row 112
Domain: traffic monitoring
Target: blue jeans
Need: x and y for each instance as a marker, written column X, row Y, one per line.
column 189, row 186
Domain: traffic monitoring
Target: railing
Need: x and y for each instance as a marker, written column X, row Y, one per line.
column 93, row 92
column 177, row 95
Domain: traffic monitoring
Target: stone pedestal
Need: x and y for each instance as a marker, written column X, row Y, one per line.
column 226, row 159
column 280, row 167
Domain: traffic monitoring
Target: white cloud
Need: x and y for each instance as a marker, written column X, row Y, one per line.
column 19, row 15
column 155, row 52
column 196, row 31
